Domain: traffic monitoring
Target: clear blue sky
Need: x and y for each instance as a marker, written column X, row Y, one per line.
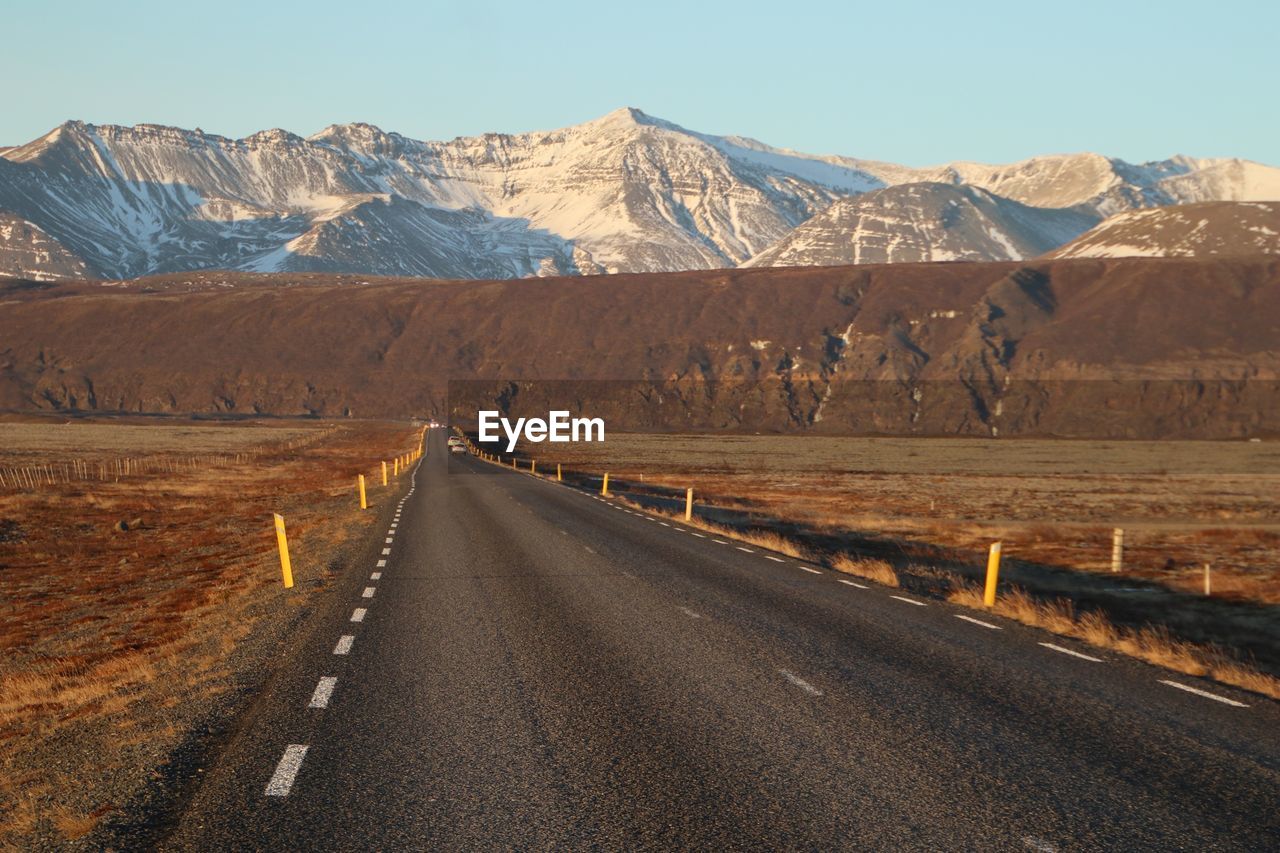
column 910, row 82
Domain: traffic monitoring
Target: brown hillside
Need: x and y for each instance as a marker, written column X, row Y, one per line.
column 1122, row 347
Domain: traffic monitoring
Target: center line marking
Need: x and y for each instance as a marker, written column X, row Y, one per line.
column 1070, row 652
column 800, row 682
column 386, row 551
column 389, row 538
column 748, row 550
column 775, row 559
column 344, row 644
column 376, row 576
column 287, row 770
column 978, row 622
column 909, row 600
column 851, row 583
column 1205, row 693
column 357, row 615
column 368, row 592
column 324, row 689
column 382, row 564
column 690, row 613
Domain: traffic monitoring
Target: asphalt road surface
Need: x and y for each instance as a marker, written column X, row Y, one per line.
column 537, row 667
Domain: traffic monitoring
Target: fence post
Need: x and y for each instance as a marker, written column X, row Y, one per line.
column 286, row 569
column 993, row 575
column 1117, row 549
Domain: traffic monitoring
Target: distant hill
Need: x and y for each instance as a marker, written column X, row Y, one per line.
column 914, row 223
column 1212, row 229
column 1122, row 348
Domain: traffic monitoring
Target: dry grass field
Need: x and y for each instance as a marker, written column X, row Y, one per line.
column 928, row 508
column 131, row 606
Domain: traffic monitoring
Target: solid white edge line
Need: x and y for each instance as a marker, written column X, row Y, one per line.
column 1074, row 654
column 287, row 770
column 357, row 615
column 368, row 592
column 324, row 690
column 1205, row 693
column 978, row 622
column 344, row 644
column 908, row 600
column 851, row 583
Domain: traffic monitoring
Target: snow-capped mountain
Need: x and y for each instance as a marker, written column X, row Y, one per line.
column 623, row 193
column 915, row 223
column 1210, row 229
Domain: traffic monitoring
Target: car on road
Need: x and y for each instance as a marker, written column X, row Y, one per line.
column 457, row 448
column 454, row 441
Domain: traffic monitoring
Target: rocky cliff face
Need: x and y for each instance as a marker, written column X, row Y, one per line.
column 1123, row 348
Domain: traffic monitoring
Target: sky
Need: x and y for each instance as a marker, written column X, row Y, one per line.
column 907, row 82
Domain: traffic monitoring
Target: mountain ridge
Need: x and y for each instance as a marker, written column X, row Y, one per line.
column 626, row 192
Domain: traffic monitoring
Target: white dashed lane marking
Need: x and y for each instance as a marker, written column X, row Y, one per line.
column 1074, row 654
column 719, row 541
column 376, row 576
column 344, row 644
column 978, row 622
column 800, row 682
column 775, row 559
column 692, row 614
column 357, row 615
column 1205, row 693
column 908, row 600
column 368, row 592
column 382, row 564
column 324, row 689
column 809, row 570
column 386, row 551
column 287, row 770
column 699, row 535
column 851, row 583
column 746, row 550
column 389, row 540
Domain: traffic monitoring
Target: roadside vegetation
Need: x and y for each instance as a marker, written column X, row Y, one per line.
column 138, row 610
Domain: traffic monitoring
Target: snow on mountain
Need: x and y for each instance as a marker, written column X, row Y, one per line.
column 626, row 192
column 914, row 223
column 1193, row 230
column 26, row 251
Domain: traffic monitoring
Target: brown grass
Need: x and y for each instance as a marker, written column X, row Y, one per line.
column 1152, row 644
column 873, row 570
column 116, row 640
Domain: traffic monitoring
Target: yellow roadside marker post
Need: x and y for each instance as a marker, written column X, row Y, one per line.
column 286, row 568
column 993, row 575
column 533, row 466
column 688, row 504
column 384, row 473
column 364, row 504
column 558, row 478
column 604, row 487
column 397, row 466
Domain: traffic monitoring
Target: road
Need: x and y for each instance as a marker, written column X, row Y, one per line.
column 537, row 667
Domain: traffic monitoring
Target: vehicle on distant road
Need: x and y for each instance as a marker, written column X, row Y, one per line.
column 457, row 448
